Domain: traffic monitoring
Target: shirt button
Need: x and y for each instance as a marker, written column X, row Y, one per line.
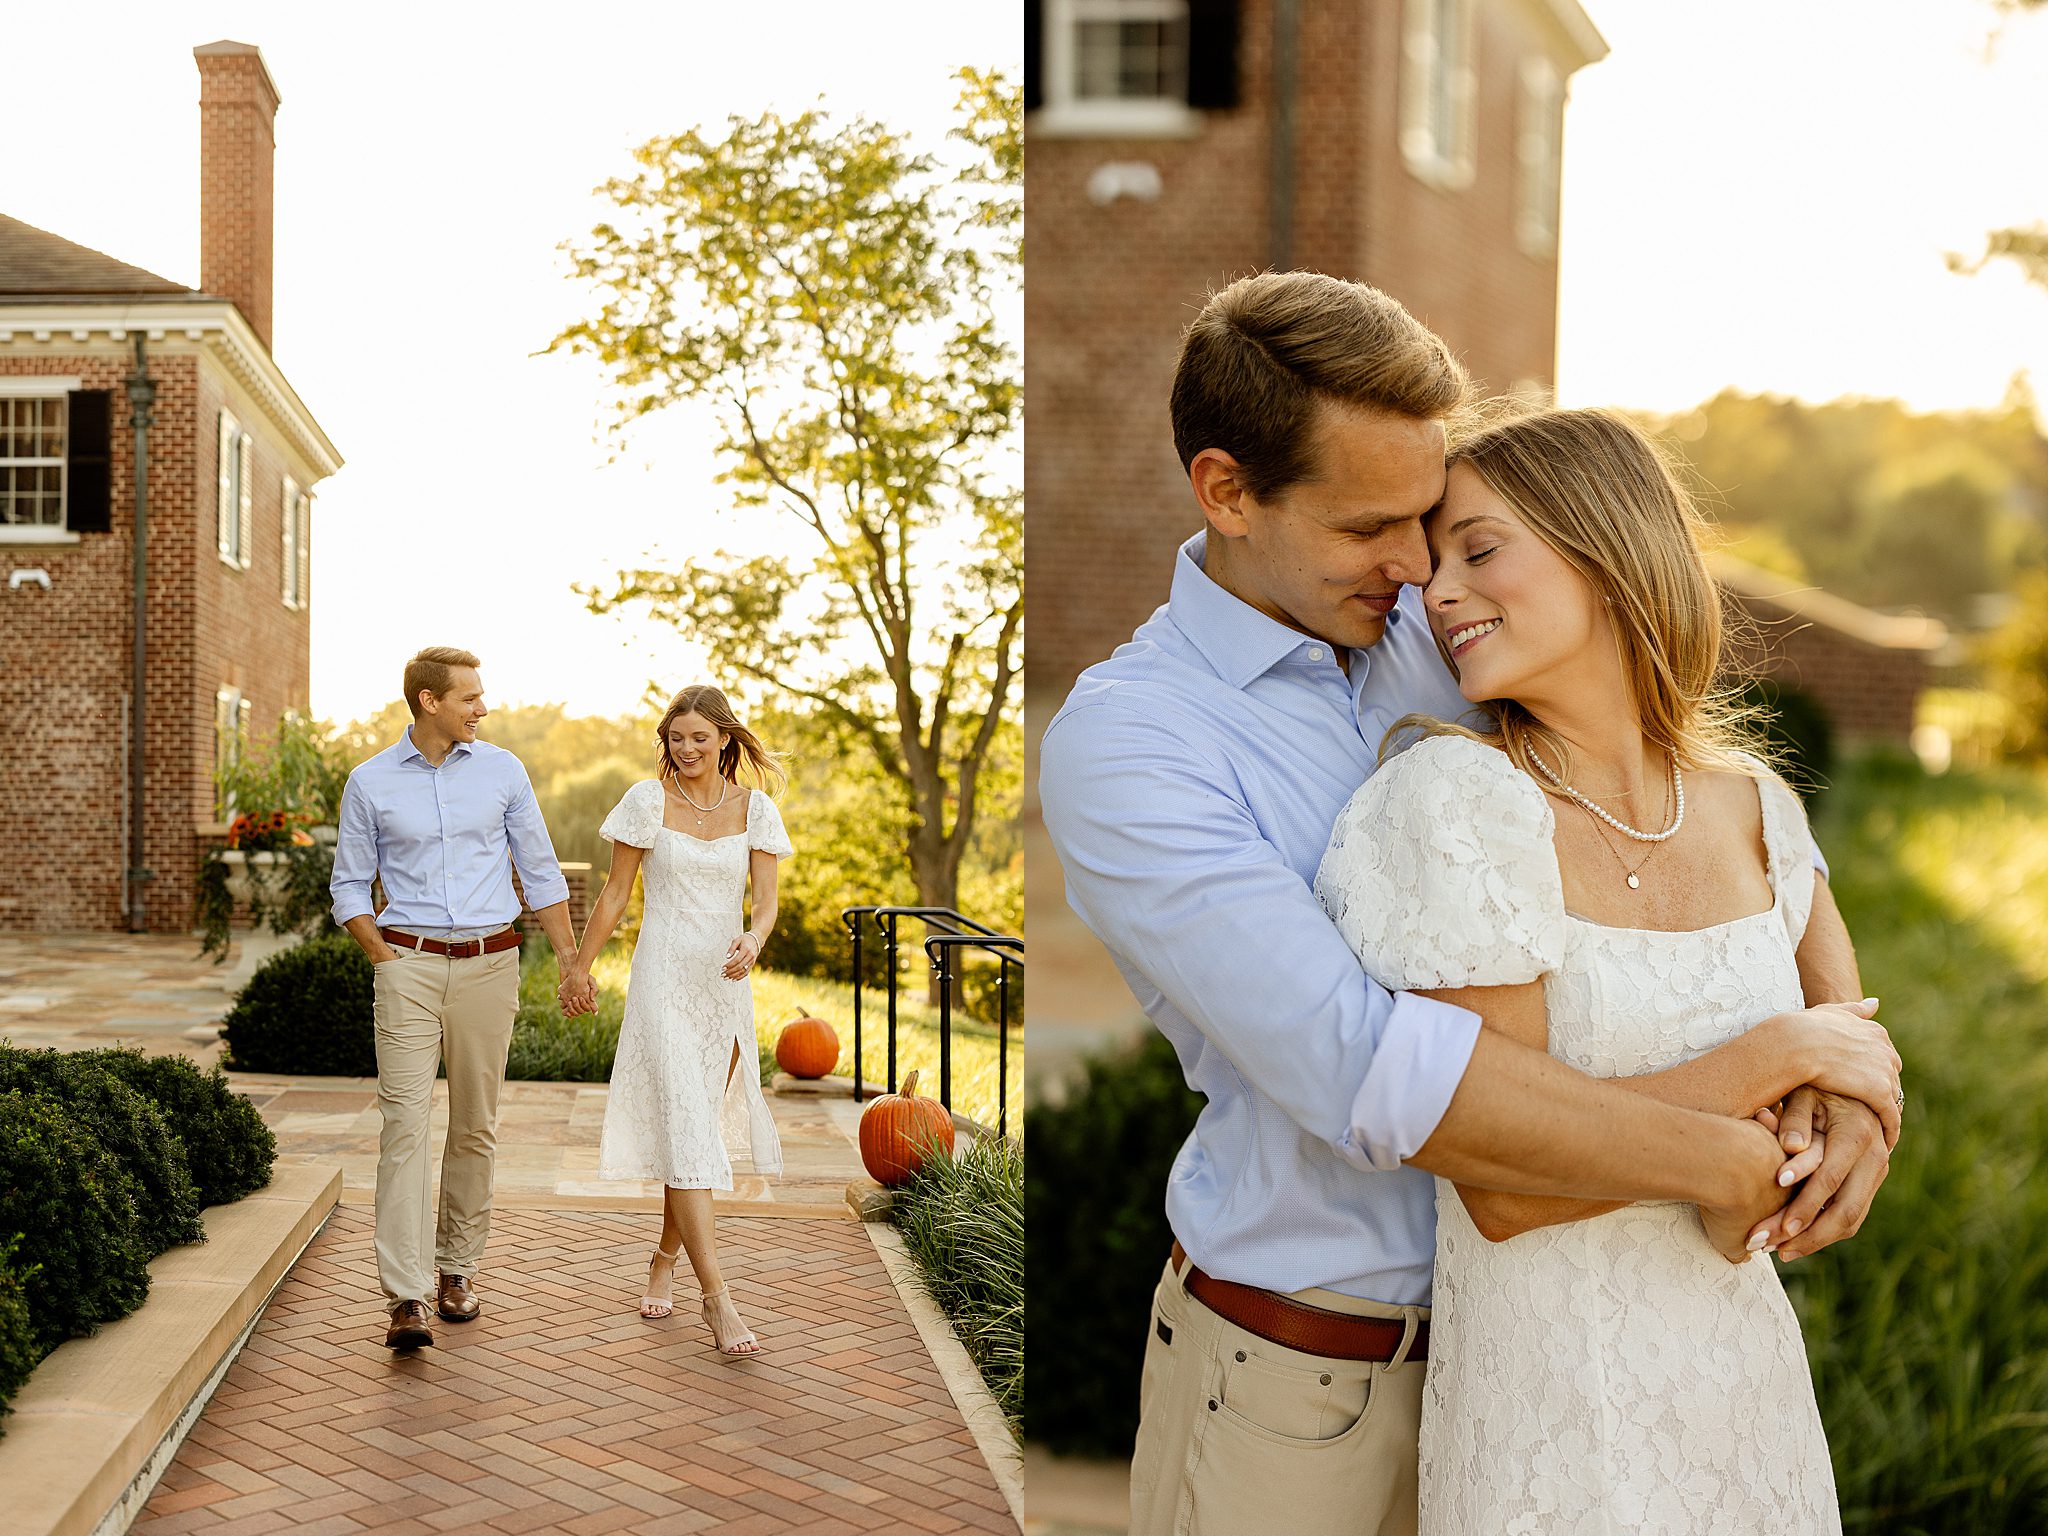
column 1315, row 653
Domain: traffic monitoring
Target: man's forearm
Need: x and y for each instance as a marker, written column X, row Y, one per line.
column 1827, row 959
column 554, row 922
column 1524, row 1122
column 363, row 929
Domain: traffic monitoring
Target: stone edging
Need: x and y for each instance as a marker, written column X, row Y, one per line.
column 102, row 1417
column 985, row 1420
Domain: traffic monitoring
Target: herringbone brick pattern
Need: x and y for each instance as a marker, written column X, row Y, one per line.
column 559, row 1409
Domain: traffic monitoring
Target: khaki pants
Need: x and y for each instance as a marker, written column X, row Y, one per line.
column 428, row 1006
column 1238, row 1436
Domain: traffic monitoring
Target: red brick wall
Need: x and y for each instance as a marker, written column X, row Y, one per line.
column 1452, row 256
column 68, row 657
column 1111, row 288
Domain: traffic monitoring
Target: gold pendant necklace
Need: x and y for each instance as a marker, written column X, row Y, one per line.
column 702, row 810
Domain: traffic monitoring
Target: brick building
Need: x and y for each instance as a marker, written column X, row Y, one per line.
column 1177, row 144
column 232, row 458
column 1863, row 669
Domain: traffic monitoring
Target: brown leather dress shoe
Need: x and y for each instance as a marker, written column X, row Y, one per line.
column 411, row 1329
column 457, row 1302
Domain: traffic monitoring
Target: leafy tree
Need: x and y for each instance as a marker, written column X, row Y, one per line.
column 834, row 293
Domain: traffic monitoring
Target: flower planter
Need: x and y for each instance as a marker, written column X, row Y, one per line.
column 249, row 873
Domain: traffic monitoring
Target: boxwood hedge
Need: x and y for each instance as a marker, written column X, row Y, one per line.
column 307, row 1010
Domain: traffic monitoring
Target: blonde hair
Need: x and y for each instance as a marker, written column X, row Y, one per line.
column 1265, row 351
column 1599, row 493
column 742, row 745
column 432, row 671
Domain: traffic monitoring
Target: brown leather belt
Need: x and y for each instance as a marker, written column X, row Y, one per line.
column 1296, row 1325
column 462, row 949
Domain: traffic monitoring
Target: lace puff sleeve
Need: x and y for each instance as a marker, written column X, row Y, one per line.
column 1441, row 872
column 764, row 827
column 636, row 818
column 1788, row 844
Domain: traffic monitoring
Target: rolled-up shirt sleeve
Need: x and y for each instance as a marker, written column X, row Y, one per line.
column 1166, row 864
column 355, row 855
column 533, row 851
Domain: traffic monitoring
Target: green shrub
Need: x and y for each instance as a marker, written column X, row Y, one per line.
column 1096, row 1211
column 308, row 1011
column 18, row 1352
column 128, row 1125
column 75, row 1209
column 228, row 1147
column 963, row 1221
column 1798, row 731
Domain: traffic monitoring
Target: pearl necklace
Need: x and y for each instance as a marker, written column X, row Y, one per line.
column 703, row 810
column 1677, row 820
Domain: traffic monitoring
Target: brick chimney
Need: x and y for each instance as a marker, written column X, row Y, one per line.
column 237, row 144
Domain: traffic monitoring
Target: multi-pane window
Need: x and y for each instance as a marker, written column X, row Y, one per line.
column 1437, row 91
column 1130, row 50
column 32, row 461
column 1541, row 153
column 230, row 735
column 234, row 519
column 1116, row 66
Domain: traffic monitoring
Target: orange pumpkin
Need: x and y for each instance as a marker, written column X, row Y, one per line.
column 807, row 1047
column 899, row 1131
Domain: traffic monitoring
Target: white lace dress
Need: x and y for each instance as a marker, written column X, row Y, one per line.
column 672, row 1111
column 1615, row 1375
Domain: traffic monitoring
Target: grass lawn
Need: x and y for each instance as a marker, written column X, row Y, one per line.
column 1928, row 1331
column 546, row 1045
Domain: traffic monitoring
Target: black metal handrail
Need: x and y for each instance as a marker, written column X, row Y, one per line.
column 939, row 948
column 952, row 924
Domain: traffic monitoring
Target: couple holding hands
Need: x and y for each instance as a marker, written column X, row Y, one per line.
column 441, row 819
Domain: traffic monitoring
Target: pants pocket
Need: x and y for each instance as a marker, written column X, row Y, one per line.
column 1291, row 1439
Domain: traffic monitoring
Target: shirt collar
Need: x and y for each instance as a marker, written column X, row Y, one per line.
column 1238, row 641
column 407, row 750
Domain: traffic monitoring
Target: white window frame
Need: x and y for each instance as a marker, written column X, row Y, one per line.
column 227, row 522
column 290, row 522
column 1067, row 113
column 1540, row 153
column 305, row 527
column 1439, row 93
column 46, row 388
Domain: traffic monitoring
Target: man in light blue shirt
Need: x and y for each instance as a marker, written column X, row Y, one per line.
column 1189, row 785
column 442, row 818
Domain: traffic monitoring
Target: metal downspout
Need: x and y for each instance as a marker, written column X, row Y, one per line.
column 141, row 396
column 1280, row 174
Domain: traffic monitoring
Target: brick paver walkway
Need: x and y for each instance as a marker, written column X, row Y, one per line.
column 561, row 1410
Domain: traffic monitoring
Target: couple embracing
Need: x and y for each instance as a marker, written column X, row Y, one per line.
column 441, row 819
column 1505, row 963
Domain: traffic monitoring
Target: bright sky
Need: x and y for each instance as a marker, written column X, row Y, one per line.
column 1762, row 192
column 430, row 159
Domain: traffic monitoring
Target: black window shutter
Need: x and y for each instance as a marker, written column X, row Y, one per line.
column 88, row 470
column 1034, row 87
column 1212, row 53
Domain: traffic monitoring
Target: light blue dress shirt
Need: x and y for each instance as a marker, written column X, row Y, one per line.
column 1190, row 783
column 440, row 839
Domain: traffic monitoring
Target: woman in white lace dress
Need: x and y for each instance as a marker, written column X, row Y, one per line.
column 686, row 1079
column 1607, row 874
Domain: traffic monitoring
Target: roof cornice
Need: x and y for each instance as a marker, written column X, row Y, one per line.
column 1886, row 631
column 1578, row 26
column 215, row 323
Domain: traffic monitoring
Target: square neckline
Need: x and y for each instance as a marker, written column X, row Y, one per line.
column 1763, row 801
column 707, row 841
